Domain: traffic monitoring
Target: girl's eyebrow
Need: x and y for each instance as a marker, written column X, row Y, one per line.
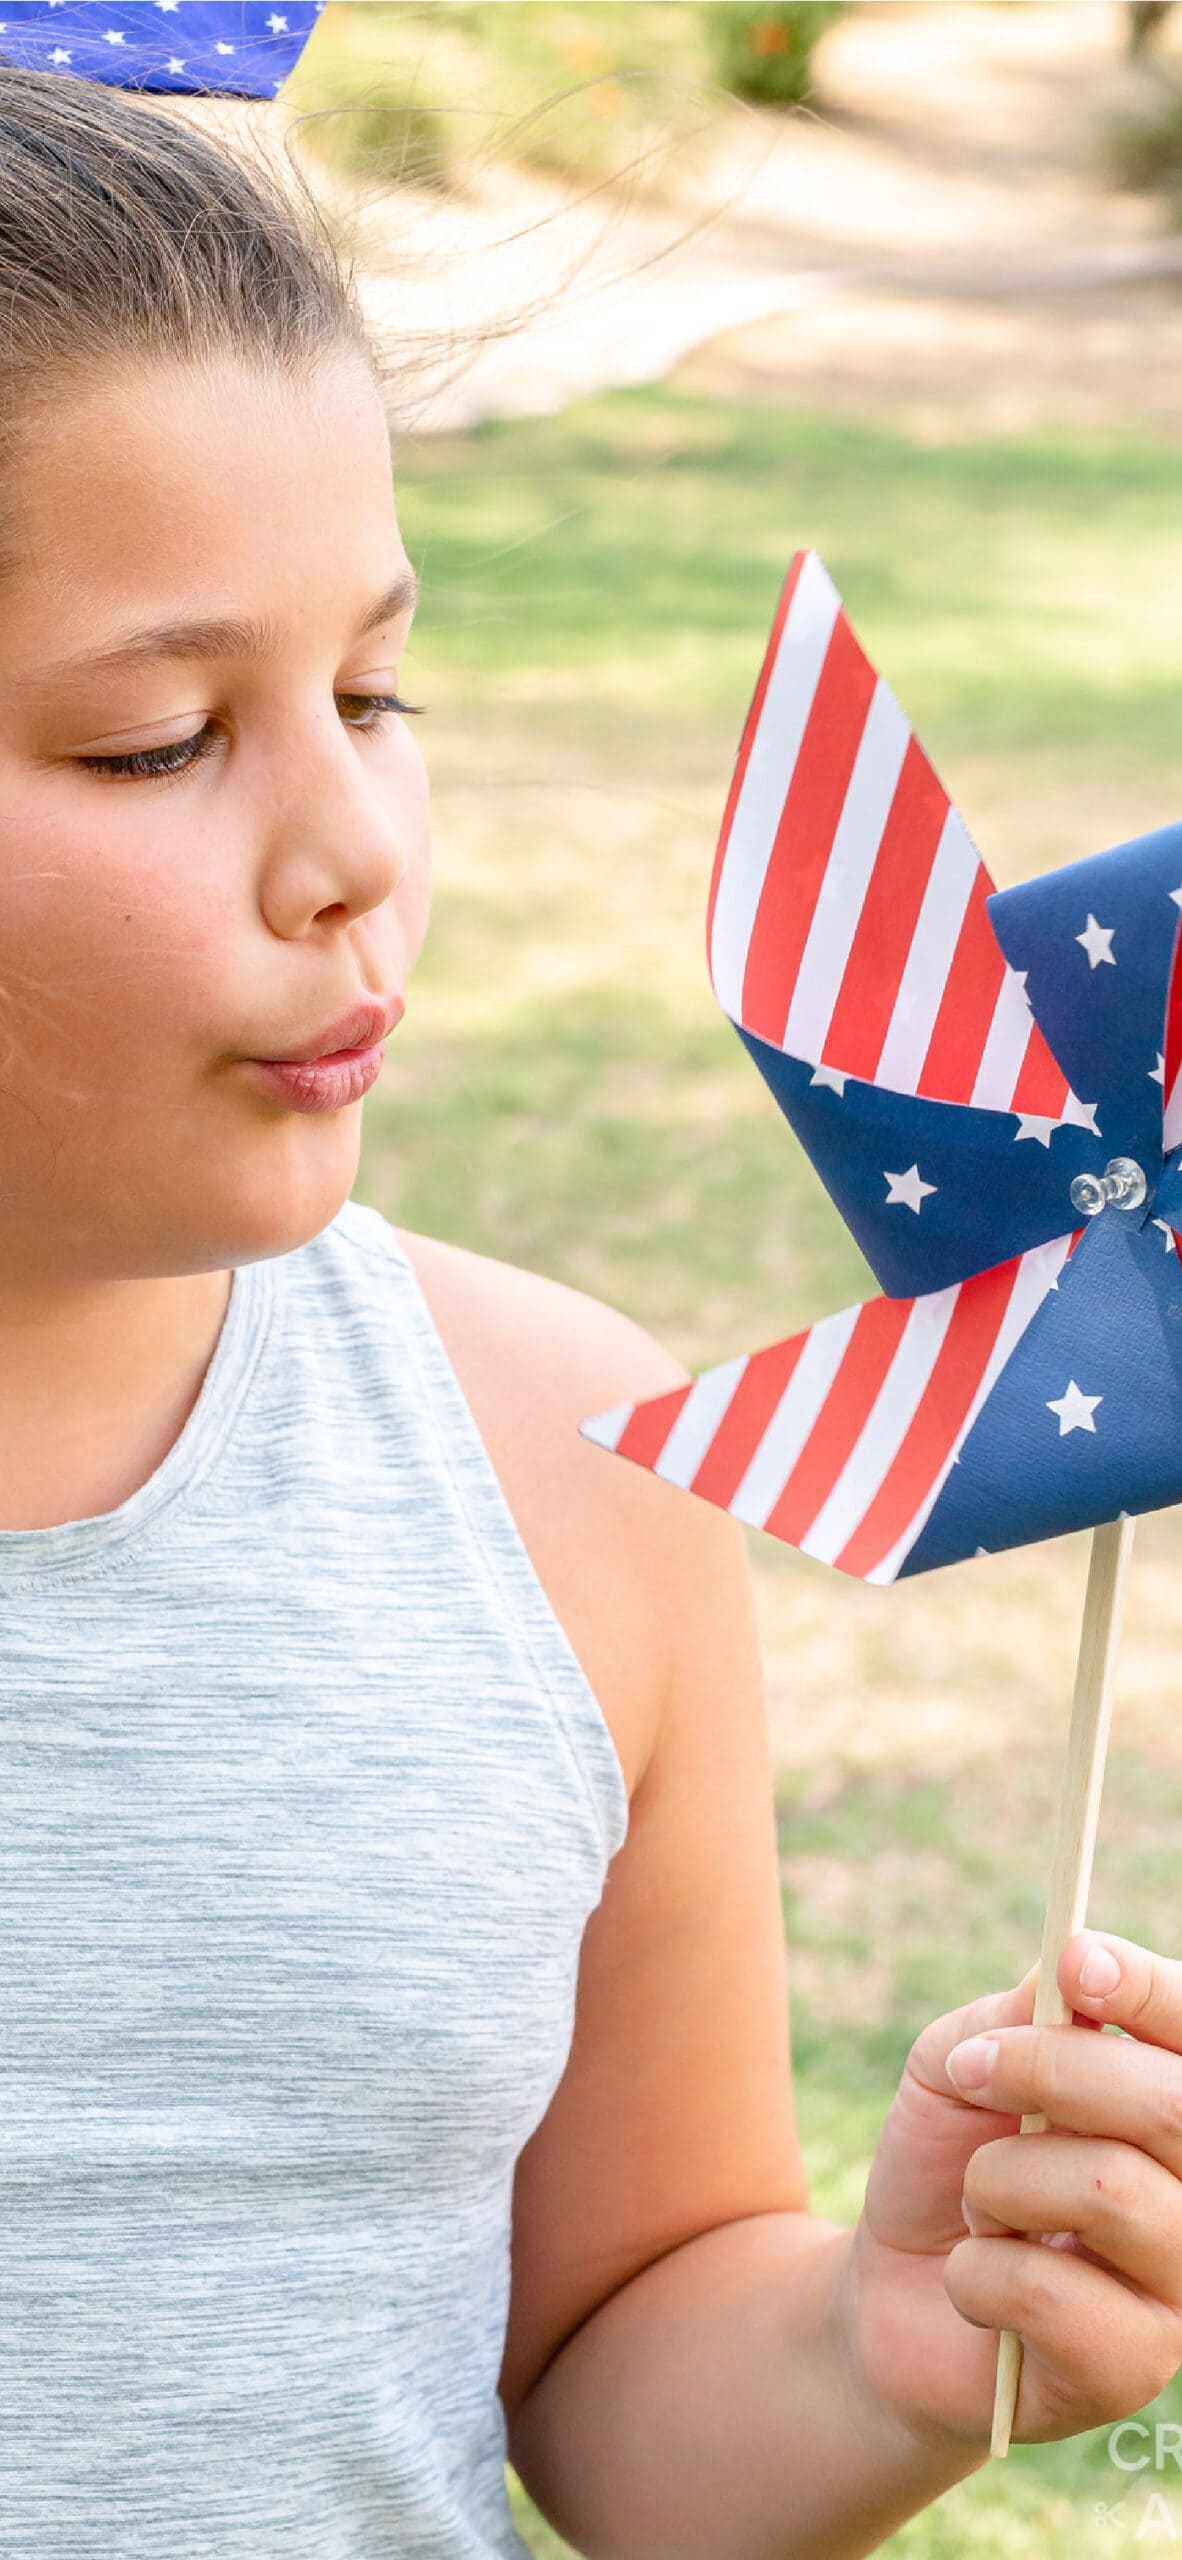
column 228, row 637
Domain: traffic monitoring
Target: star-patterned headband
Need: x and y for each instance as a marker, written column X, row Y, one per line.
column 232, row 48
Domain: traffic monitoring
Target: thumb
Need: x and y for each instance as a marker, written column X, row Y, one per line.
column 913, row 2192
column 999, row 2008
column 932, row 2047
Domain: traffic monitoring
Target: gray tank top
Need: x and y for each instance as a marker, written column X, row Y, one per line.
column 305, row 1802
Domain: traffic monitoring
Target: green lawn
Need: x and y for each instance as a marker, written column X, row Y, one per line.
column 566, row 1094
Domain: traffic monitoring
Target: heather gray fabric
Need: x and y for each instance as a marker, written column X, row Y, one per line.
column 304, row 1805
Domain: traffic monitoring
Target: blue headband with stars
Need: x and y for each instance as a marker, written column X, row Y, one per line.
column 235, row 48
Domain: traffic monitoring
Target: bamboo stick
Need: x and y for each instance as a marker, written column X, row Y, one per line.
column 1075, row 1842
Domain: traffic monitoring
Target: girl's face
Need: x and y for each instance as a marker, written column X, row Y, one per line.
column 157, row 933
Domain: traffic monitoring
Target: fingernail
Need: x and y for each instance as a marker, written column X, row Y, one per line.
column 1099, row 1973
column 969, row 2064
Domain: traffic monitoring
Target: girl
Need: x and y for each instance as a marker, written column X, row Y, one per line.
column 395, row 2056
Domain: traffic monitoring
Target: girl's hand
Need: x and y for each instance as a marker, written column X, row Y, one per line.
column 1096, row 2291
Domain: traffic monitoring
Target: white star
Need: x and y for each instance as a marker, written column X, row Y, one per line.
column 1097, row 942
column 177, row 61
column 1074, row 1409
column 1080, row 1115
column 168, row 4
column 1167, row 1232
column 834, row 1078
column 1176, row 895
column 223, row 48
column 113, row 35
column 59, row 54
column 1157, row 1074
column 906, row 1190
column 276, row 24
column 1030, row 1126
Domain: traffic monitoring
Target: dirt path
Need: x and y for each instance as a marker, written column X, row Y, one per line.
column 1028, row 289
column 939, row 242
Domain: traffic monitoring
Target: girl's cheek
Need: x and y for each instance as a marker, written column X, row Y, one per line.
column 417, row 921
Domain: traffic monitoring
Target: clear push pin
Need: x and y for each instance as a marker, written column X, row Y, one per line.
column 1122, row 1182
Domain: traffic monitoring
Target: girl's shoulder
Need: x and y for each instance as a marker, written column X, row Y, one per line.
column 533, row 1357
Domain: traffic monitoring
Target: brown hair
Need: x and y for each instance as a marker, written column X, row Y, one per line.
column 126, row 233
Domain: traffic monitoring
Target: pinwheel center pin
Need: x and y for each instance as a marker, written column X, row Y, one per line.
column 1122, row 1182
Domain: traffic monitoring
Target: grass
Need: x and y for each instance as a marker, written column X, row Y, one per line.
column 565, row 1094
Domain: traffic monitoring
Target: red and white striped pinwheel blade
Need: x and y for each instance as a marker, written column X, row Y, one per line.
column 1172, row 1060
column 838, row 1440
column 847, row 923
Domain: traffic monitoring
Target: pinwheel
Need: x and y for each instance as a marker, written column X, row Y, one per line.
column 990, row 1087
column 930, row 1040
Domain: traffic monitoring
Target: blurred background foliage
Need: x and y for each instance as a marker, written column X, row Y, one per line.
column 765, row 52
column 1144, row 132
column 573, row 88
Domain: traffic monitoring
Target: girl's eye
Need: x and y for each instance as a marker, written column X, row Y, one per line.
column 184, row 752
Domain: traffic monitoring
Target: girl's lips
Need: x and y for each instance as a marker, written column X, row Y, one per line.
column 349, row 1035
column 322, row 1084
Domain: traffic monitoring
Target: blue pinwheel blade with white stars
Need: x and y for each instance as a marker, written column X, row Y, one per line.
column 931, row 1192
column 239, row 48
column 1097, row 945
column 1086, row 1419
column 990, row 1086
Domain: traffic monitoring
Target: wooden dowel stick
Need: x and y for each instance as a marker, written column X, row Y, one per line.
column 1075, row 1841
